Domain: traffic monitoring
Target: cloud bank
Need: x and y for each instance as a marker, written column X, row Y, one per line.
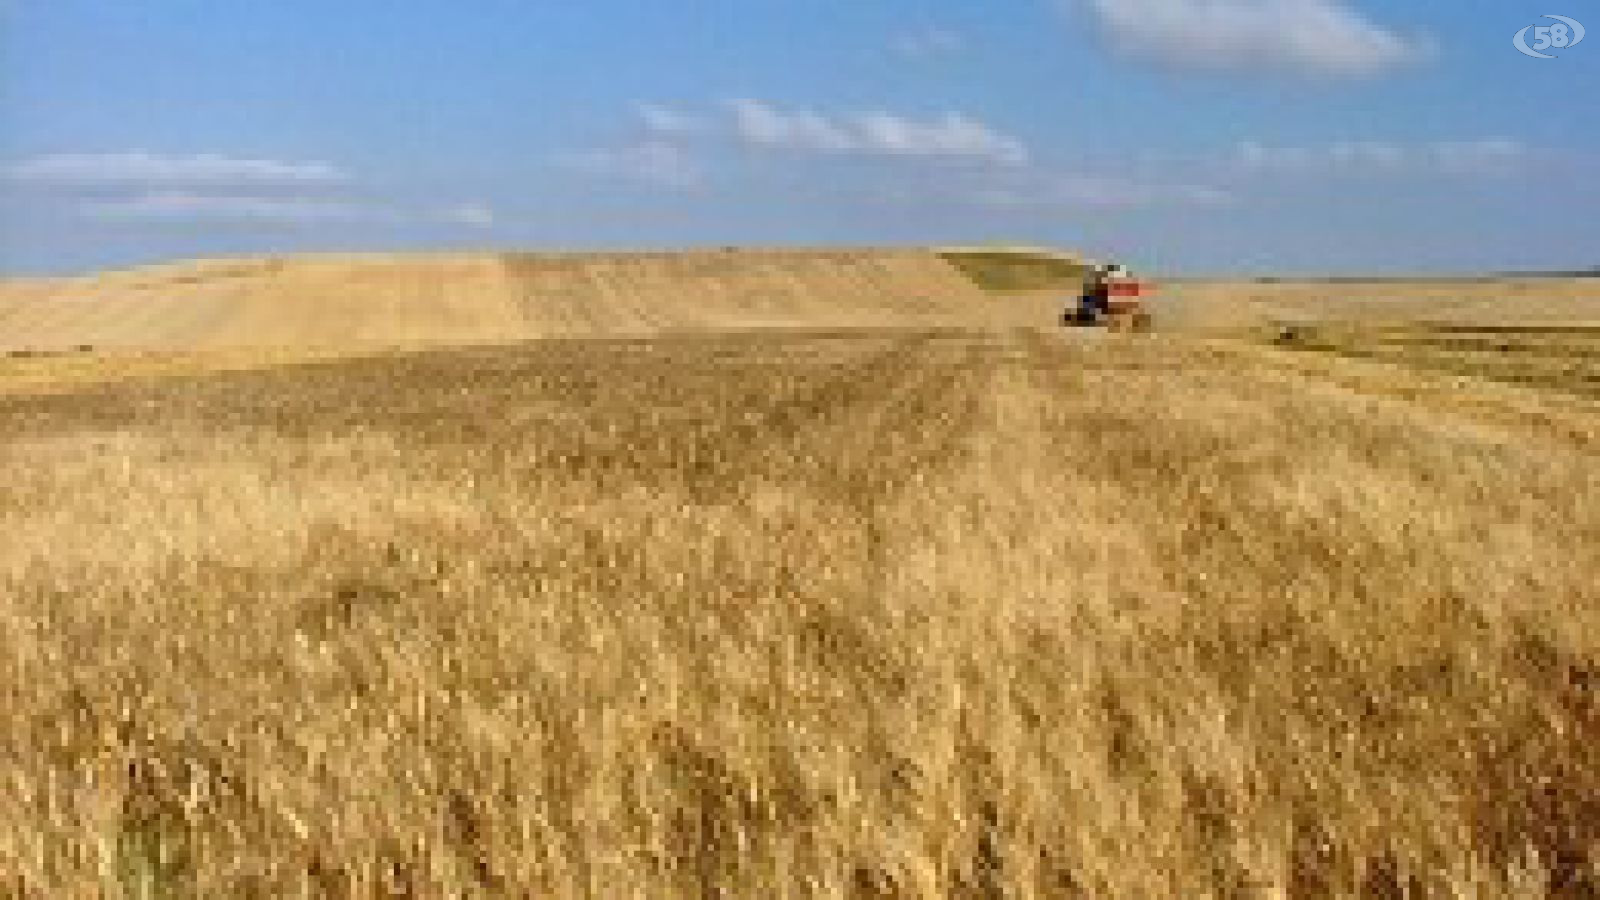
column 215, row 188
column 138, row 167
column 669, row 145
column 1484, row 156
column 1326, row 38
column 951, row 136
column 674, row 148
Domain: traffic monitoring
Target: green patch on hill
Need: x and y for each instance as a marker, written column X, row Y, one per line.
column 1003, row 269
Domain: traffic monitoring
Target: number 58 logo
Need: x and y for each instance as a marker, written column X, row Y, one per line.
column 1565, row 33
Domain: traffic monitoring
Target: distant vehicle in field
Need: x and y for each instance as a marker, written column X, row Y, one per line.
column 1111, row 298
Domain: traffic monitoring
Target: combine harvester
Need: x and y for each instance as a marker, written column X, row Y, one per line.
column 1104, row 295
column 1112, row 298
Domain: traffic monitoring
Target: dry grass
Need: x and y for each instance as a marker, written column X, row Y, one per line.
column 862, row 614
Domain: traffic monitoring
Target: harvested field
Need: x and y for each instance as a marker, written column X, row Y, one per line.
column 1514, row 301
column 343, row 301
column 866, row 612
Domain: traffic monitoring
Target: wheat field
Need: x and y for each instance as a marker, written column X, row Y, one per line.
column 863, row 613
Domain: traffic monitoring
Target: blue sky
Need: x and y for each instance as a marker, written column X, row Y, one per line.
column 1182, row 135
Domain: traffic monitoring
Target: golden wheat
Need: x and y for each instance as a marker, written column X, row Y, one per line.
column 858, row 614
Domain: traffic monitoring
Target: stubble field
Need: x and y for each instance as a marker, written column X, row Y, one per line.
column 856, row 613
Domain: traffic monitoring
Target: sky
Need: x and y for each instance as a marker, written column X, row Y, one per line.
column 1192, row 136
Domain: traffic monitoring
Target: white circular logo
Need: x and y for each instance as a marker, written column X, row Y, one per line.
column 1567, row 32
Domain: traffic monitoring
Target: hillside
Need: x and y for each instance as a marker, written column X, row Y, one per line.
column 333, row 300
column 354, row 302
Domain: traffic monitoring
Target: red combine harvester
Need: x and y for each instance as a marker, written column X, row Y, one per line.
column 1112, row 298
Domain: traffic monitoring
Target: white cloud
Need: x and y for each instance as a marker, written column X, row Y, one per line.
column 150, row 169
column 210, row 189
column 656, row 162
column 1488, row 156
column 953, row 136
column 928, row 43
column 758, row 124
column 666, row 122
column 1313, row 37
column 189, row 206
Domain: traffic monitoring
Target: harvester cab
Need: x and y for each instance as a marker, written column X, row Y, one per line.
column 1111, row 298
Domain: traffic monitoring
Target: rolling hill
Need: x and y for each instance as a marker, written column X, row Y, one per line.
column 322, row 300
